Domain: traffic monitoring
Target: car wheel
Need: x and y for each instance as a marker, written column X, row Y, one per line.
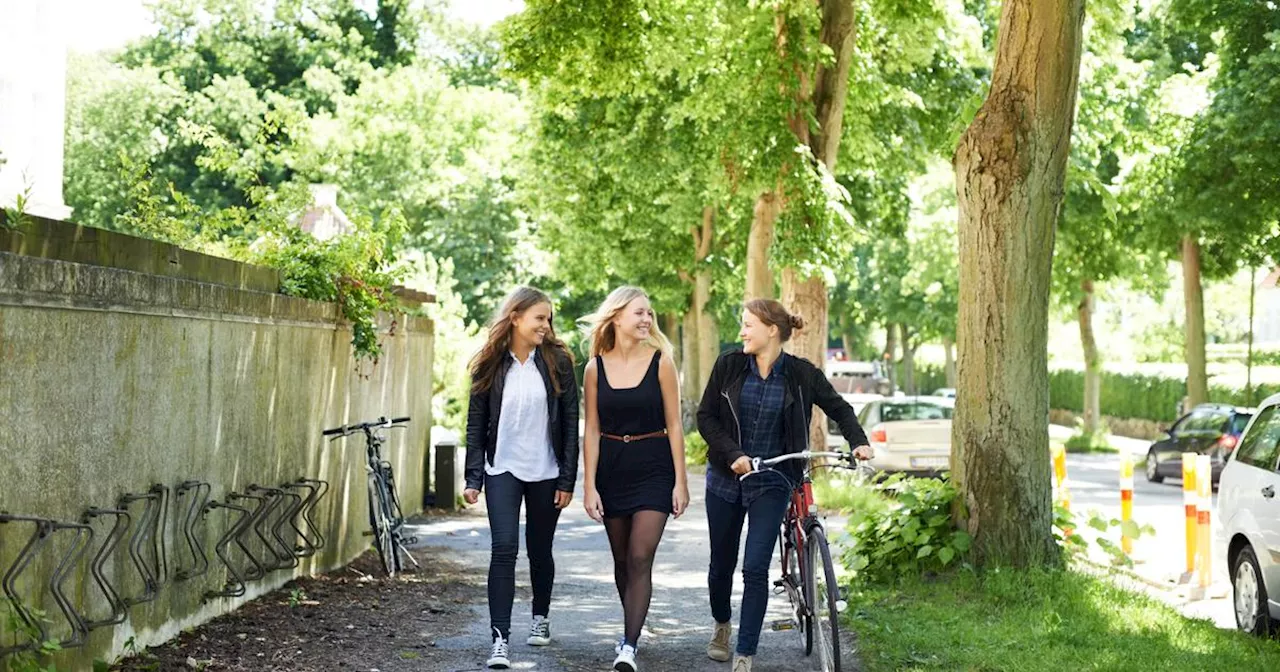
column 1153, row 471
column 1250, row 595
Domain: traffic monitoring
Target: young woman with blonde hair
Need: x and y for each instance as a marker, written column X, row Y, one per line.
column 633, row 448
column 522, row 445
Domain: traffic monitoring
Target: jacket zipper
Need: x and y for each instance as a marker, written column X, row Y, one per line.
column 736, row 423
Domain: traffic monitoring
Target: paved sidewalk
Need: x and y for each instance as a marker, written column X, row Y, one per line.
column 585, row 614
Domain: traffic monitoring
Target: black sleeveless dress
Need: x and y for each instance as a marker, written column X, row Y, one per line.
column 640, row 475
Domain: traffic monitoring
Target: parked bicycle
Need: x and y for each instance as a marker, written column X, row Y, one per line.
column 808, row 574
column 386, row 520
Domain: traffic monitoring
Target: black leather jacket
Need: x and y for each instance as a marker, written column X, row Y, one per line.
column 562, row 426
column 807, row 385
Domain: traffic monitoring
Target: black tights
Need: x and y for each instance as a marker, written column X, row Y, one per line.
column 634, row 541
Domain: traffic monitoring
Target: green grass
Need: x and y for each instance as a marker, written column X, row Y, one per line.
column 1040, row 620
column 837, row 492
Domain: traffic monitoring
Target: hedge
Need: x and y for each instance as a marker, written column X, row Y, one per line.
column 1155, row 398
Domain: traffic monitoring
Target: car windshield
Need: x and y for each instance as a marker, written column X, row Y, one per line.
column 1238, row 423
column 914, row 411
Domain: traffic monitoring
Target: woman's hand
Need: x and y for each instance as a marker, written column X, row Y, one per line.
column 864, row 452
column 471, row 495
column 680, row 499
column 741, row 466
column 591, row 502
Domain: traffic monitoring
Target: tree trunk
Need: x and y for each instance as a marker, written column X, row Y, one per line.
column 1092, row 403
column 1248, row 357
column 846, row 341
column 689, row 364
column 1010, row 166
column 759, row 242
column 708, row 336
column 909, row 346
column 949, row 351
column 808, row 297
column 890, row 352
column 1193, row 291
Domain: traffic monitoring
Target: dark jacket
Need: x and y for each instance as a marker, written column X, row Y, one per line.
column 807, row 385
column 562, row 425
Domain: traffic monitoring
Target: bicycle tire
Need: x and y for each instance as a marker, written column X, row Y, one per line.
column 823, row 599
column 804, row 612
column 395, row 519
column 379, row 525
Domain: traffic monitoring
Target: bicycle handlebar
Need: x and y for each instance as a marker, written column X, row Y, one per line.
column 351, row 429
column 761, row 465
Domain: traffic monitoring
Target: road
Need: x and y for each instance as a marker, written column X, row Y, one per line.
column 586, row 618
column 1094, row 484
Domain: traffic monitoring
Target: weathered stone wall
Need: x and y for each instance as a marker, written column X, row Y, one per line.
column 112, row 380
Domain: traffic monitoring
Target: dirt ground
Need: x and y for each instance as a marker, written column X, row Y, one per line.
column 350, row 619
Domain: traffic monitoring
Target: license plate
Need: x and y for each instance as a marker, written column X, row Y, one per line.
column 931, row 462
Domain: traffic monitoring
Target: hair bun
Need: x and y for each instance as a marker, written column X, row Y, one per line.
column 797, row 322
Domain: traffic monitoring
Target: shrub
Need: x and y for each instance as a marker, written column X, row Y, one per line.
column 912, row 534
column 695, row 449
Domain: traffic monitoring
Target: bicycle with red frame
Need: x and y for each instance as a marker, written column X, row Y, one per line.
column 808, row 575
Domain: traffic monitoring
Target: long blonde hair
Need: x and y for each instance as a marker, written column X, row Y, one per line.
column 485, row 365
column 602, row 335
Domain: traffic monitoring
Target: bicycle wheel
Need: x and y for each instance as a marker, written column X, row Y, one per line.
column 380, row 525
column 822, row 594
column 798, row 570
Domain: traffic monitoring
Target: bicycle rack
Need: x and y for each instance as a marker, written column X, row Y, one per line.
column 266, row 529
column 258, row 570
column 200, row 492
column 83, row 540
column 119, row 610
column 287, row 551
column 316, row 489
column 235, row 586
column 44, row 530
column 151, row 528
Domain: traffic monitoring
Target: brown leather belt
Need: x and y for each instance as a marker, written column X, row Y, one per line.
column 628, row 438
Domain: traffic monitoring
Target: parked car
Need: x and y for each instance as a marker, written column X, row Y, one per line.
column 857, row 377
column 1209, row 429
column 910, row 434
column 948, row 392
column 858, row 401
column 1250, row 516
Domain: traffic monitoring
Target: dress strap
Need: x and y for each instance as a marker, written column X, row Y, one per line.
column 600, row 370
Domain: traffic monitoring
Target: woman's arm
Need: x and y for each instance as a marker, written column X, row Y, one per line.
column 477, row 429
column 834, row 405
column 670, row 383
column 591, row 444
column 721, row 445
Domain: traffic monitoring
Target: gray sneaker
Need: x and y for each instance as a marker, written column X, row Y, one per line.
column 499, row 656
column 539, row 632
column 718, row 647
column 742, row 664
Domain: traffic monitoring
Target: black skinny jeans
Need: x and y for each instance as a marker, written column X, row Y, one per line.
column 503, row 495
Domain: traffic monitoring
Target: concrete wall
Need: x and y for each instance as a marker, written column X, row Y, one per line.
column 112, row 380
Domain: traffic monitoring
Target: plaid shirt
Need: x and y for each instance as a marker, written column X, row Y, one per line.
column 760, row 426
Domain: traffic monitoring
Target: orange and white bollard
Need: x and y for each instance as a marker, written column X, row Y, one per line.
column 1126, row 500
column 1204, row 534
column 1059, row 454
column 1189, row 501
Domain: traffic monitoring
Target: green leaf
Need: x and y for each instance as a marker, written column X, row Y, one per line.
column 1098, row 524
column 962, row 541
column 946, row 554
column 1130, row 529
column 924, row 551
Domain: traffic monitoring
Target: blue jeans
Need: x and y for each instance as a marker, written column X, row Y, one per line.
column 503, row 496
column 724, row 519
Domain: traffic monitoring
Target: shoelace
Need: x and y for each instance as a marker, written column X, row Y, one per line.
column 541, row 628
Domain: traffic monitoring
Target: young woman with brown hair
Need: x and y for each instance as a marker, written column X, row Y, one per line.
column 758, row 403
column 522, row 445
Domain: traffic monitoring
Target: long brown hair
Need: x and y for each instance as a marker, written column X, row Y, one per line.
column 774, row 314
column 601, row 334
column 485, row 365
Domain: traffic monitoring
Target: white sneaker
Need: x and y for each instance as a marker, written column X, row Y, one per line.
column 617, row 648
column 626, row 660
column 500, row 656
column 539, row 632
